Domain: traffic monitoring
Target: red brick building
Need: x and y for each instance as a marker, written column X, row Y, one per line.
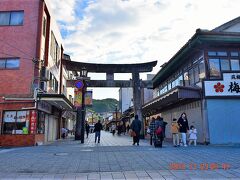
column 33, row 97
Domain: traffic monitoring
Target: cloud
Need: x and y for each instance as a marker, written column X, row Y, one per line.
column 64, row 10
column 134, row 31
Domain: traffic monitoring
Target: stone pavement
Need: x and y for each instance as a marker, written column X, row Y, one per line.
column 115, row 158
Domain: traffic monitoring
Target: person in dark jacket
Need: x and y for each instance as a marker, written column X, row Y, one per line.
column 183, row 127
column 87, row 127
column 136, row 127
column 97, row 130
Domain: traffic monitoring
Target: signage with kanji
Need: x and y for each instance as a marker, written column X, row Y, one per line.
column 229, row 86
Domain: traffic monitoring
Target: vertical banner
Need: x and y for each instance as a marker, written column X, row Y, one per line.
column 88, row 98
column 33, row 122
column 77, row 97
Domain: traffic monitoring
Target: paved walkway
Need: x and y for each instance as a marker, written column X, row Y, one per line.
column 115, row 158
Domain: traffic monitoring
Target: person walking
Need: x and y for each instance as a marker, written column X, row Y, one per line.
column 87, row 127
column 158, row 132
column 113, row 129
column 152, row 128
column 192, row 135
column 175, row 131
column 136, row 128
column 97, row 129
column 183, row 127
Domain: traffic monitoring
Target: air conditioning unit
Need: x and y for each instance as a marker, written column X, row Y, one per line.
column 45, row 74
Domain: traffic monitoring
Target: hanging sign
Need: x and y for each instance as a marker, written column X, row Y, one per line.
column 77, row 97
column 229, row 86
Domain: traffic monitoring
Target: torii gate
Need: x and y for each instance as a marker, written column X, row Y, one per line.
column 110, row 69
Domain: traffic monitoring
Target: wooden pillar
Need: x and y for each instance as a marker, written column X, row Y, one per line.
column 137, row 101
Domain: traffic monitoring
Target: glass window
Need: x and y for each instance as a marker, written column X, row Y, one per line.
column 12, row 63
column 40, row 123
column 214, row 67
column 235, row 64
column 191, row 77
column 169, row 86
column 212, row 53
column 186, row 79
column 234, row 54
column 225, row 65
column 16, row 122
column 180, row 81
column 16, row 18
column 196, row 74
column 202, row 73
column 220, row 53
column 44, row 26
column 4, row 18
column 2, row 63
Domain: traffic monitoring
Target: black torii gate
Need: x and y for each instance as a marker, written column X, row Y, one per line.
column 110, row 69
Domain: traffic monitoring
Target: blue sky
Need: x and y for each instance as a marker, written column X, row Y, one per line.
column 134, row 31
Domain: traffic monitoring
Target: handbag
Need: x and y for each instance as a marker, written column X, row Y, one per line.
column 132, row 134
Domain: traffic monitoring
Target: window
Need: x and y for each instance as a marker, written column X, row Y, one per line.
column 55, row 49
column 225, row 65
column 41, row 123
column 12, row 18
column 202, row 70
column 196, row 74
column 14, row 122
column 9, row 63
column 235, row 64
column 234, row 54
column 220, row 53
column 191, row 77
column 214, row 67
column 44, row 26
column 212, row 53
column 186, row 79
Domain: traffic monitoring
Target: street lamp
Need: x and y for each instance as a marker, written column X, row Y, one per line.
column 80, row 123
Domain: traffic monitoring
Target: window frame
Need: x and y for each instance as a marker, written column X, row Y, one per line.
column 9, row 59
column 10, row 18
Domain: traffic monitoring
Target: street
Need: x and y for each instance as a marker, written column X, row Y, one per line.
column 115, row 158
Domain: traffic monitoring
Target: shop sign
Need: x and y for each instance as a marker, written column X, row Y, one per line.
column 44, row 106
column 78, row 97
column 88, row 98
column 33, row 121
column 229, row 86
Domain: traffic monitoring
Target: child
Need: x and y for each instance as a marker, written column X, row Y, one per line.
column 175, row 131
column 193, row 135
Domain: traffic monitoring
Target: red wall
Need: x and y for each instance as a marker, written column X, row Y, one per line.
column 19, row 41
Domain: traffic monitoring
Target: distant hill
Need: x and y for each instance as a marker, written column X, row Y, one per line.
column 103, row 105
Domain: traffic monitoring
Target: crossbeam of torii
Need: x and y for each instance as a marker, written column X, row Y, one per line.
column 110, row 69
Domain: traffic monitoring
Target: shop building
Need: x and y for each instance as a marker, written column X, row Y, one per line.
column 202, row 79
column 33, row 94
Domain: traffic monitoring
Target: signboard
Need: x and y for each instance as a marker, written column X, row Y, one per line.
column 33, row 121
column 77, row 97
column 44, row 106
column 229, row 86
column 88, row 98
column 79, row 84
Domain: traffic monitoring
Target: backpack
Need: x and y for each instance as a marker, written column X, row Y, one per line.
column 159, row 131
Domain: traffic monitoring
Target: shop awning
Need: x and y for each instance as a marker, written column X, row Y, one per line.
column 176, row 95
column 58, row 100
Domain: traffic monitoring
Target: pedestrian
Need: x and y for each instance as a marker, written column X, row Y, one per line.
column 97, row 129
column 175, row 131
column 87, row 127
column 63, row 132
column 136, row 128
column 158, row 132
column 183, row 127
column 128, row 127
column 152, row 128
column 192, row 135
column 113, row 129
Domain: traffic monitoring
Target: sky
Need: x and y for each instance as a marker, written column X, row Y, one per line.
column 134, row 31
